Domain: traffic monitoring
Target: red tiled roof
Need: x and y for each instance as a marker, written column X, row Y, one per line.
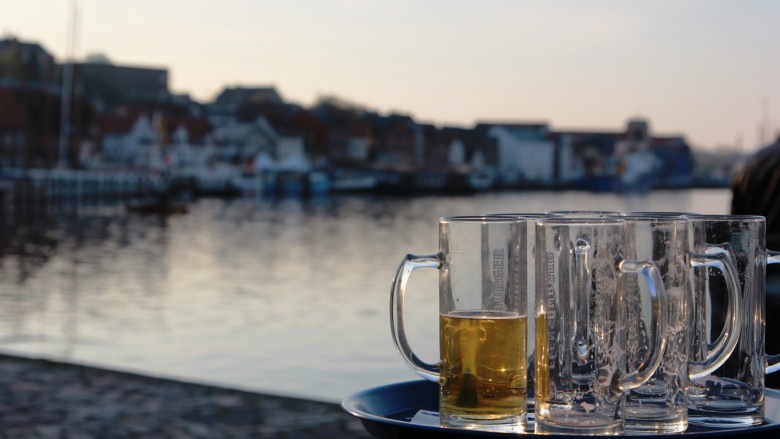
column 197, row 128
column 117, row 124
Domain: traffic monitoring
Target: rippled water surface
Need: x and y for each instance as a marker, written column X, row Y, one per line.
column 288, row 297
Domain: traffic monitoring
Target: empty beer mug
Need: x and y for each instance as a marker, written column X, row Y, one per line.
column 661, row 403
column 733, row 394
column 581, row 321
column 482, row 322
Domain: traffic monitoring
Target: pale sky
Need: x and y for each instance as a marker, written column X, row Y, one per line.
column 709, row 70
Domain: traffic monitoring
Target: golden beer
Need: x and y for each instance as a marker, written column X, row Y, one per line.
column 483, row 368
column 542, row 375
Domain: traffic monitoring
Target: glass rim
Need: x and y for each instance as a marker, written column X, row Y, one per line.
column 587, row 221
column 670, row 219
column 529, row 215
column 584, row 212
column 727, row 217
column 480, row 219
column 661, row 213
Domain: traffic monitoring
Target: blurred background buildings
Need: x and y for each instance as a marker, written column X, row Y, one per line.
column 99, row 116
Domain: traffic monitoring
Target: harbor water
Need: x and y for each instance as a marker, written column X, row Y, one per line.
column 287, row 296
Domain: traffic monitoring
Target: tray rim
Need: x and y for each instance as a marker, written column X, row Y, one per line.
column 352, row 403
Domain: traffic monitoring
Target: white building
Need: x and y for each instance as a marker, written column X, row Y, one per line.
column 131, row 141
column 291, row 154
column 358, row 148
column 524, row 153
column 237, row 139
column 571, row 168
column 456, row 153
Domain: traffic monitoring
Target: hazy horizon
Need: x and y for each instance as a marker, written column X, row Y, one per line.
column 706, row 70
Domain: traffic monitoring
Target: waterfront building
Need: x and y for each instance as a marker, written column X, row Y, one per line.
column 129, row 139
column 525, row 156
column 27, row 65
column 138, row 139
column 108, row 86
column 630, row 160
column 399, row 142
column 675, row 163
column 12, row 132
column 31, row 102
column 239, row 141
column 586, row 159
column 230, row 99
column 349, row 135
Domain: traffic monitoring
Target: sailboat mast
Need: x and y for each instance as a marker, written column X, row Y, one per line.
column 67, row 88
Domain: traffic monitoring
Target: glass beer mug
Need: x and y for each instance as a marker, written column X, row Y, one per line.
column 530, row 351
column 732, row 395
column 581, row 321
column 661, row 404
column 482, row 322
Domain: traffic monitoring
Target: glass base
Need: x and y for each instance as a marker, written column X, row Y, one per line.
column 656, row 421
column 515, row 424
column 720, row 418
column 725, row 403
column 582, row 427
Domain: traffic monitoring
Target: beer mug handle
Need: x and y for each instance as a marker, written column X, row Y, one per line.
column 773, row 361
column 720, row 351
column 410, row 263
column 648, row 271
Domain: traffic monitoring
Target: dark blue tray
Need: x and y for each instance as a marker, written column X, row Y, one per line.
column 386, row 413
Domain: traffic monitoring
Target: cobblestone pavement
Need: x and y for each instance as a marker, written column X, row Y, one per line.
column 43, row 399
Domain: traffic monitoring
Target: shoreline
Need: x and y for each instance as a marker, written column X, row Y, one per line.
column 51, row 399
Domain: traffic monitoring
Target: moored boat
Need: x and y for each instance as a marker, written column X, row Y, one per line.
column 156, row 206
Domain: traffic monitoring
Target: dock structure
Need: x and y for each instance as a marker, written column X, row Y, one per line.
column 76, row 184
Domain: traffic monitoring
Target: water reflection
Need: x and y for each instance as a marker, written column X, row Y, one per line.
column 283, row 296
